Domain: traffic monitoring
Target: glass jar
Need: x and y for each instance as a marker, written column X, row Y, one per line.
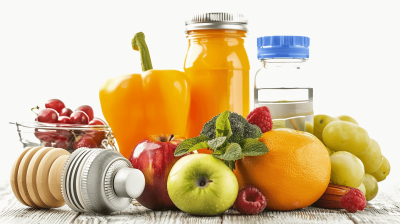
column 217, row 66
column 282, row 84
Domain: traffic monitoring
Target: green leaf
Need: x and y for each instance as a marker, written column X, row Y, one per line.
column 222, row 125
column 252, row 131
column 186, row 145
column 232, row 152
column 200, row 145
column 253, row 147
column 216, row 142
column 230, row 164
column 217, row 152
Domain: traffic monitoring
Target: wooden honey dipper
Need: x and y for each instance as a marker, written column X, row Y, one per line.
column 47, row 177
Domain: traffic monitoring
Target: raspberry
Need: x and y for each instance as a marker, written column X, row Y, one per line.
column 353, row 200
column 261, row 117
column 250, row 200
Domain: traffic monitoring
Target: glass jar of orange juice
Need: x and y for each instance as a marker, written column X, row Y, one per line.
column 217, row 66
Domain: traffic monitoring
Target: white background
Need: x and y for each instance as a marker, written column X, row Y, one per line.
column 65, row 50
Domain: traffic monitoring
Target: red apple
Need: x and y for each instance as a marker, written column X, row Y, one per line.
column 88, row 110
column 154, row 156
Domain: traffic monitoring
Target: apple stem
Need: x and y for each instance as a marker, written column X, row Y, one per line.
column 35, row 108
column 170, row 138
column 139, row 44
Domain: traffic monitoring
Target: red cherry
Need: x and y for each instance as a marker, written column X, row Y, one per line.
column 66, row 112
column 97, row 121
column 64, row 134
column 55, row 104
column 84, row 141
column 79, row 117
column 88, row 110
column 48, row 115
column 63, row 144
column 45, row 135
column 64, row 120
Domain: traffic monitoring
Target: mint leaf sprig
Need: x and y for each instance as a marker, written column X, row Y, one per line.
column 230, row 137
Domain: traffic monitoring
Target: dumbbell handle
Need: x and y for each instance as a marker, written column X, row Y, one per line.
column 129, row 182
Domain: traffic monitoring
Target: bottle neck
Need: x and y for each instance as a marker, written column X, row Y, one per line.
column 216, row 33
column 283, row 62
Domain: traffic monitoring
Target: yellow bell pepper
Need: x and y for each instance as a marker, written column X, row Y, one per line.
column 139, row 105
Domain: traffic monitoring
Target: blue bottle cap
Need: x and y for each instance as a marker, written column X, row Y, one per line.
column 283, row 47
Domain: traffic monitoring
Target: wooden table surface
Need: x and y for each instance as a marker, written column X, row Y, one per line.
column 385, row 208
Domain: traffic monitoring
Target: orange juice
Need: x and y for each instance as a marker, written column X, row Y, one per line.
column 217, row 67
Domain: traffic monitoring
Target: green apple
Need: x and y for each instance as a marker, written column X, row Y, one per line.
column 201, row 184
column 347, row 118
column 320, row 122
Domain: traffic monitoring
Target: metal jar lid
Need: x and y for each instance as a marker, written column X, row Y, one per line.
column 216, row 20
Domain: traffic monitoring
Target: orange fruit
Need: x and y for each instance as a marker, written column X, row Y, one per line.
column 293, row 174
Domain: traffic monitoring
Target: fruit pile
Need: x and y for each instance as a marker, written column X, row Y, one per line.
column 356, row 159
column 64, row 136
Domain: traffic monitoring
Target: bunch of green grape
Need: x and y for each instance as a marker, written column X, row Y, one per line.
column 356, row 159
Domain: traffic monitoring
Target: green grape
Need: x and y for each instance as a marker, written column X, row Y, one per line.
column 309, row 127
column 347, row 118
column 346, row 169
column 383, row 171
column 278, row 124
column 372, row 158
column 329, row 151
column 346, row 136
column 371, row 187
column 362, row 188
column 320, row 122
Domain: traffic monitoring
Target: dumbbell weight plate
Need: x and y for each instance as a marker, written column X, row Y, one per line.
column 42, row 177
column 55, row 177
column 14, row 176
column 94, row 183
column 31, row 176
column 22, row 180
column 67, row 180
column 78, row 178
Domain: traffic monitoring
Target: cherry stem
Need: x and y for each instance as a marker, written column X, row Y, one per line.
column 170, row 138
column 35, row 108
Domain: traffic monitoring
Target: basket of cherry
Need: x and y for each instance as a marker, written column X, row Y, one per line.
column 60, row 127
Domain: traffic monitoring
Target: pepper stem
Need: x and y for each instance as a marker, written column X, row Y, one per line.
column 139, row 44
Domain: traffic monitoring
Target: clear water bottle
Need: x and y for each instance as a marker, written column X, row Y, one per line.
column 282, row 84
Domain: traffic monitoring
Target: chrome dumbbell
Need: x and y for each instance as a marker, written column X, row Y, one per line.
column 88, row 180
